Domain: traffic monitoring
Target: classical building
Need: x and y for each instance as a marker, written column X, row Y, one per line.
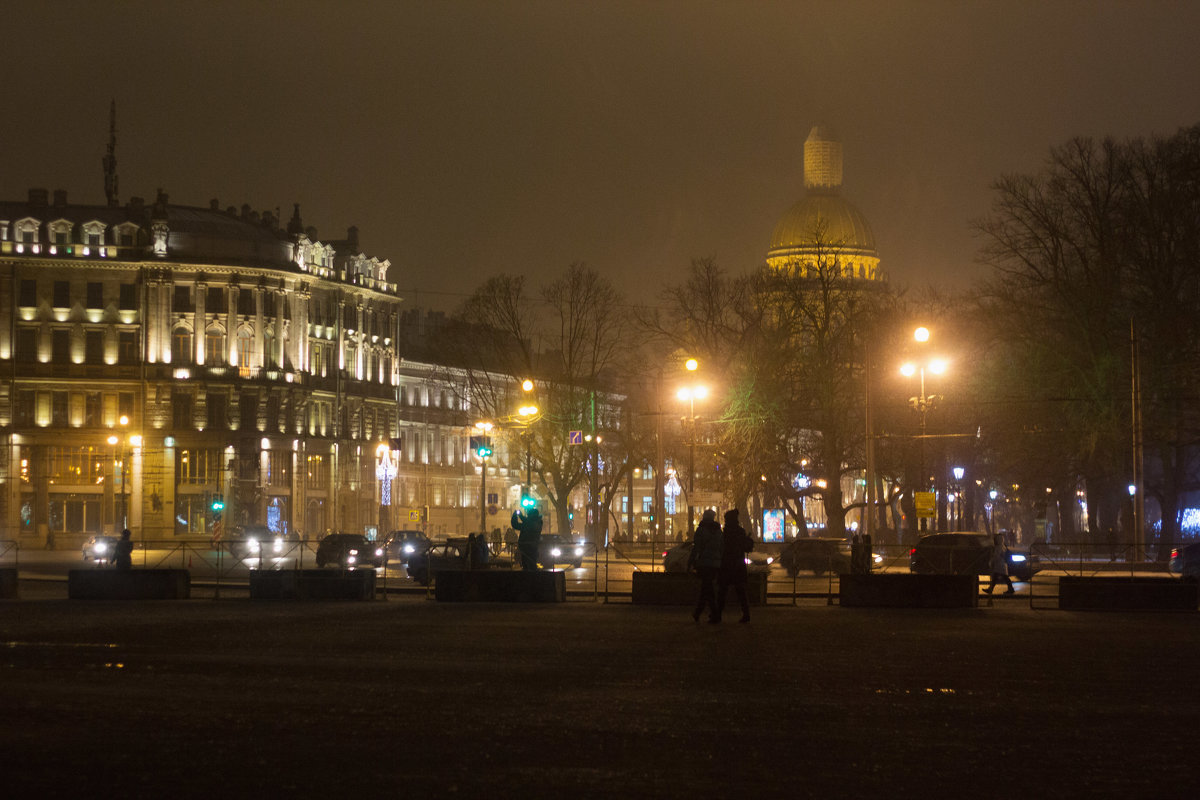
column 158, row 357
column 823, row 227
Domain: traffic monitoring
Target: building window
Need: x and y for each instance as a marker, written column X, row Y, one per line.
column 92, row 406
column 127, row 347
column 214, row 346
column 214, row 300
column 128, row 297
column 198, row 466
column 245, row 343
column 245, row 303
column 27, row 344
column 93, row 347
column 62, row 294
column 74, row 513
column 93, row 239
column 190, row 514
column 58, row 409
column 60, row 345
column 316, row 472
column 28, row 293
column 182, row 301
column 181, row 346
column 279, row 468
column 218, row 412
column 95, row 295
column 25, row 410
column 125, row 404
column 182, row 406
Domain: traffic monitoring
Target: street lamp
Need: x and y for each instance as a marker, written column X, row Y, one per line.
column 923, row 402
column 483, row 451
column 114, row 440
column 691, row 394
column 959, row 472
column 527, row 413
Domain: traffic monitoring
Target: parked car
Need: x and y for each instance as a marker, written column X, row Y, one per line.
column 964, row 553
column 818, row 556
column 676, row 559
column 349, row 550
column 423, row 564
column 399, row 546
column 1185, row 561
column 99, row 548
column 555, row 549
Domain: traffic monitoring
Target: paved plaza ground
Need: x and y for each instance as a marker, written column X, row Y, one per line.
column 236, row 698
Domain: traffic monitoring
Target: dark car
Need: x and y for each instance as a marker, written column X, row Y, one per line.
column 1185, row 561
column 555, row 549
column 817, row 556
column 676, row 559
column 349, row 550
column 451, row 554
column 400, row 546
column 99, row 549
column 964, row 554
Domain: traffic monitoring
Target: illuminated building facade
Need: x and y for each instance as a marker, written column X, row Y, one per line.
column 157, row 357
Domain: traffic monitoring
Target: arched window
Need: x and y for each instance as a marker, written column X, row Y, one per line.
column 245, row 341
column 214, row 346
column 181, row 346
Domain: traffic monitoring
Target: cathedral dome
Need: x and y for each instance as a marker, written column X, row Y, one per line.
column 824, row 229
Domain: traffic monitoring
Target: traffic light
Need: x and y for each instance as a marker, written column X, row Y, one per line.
column 218, row 504
column 527, row 501
column 482, row 445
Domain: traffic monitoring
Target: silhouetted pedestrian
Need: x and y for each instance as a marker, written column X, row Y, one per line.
column 123, row 554
column 735, row 544
column 480, row 553
column 529, row 537
column 471, row 550
column 705, row 558
column 999, row 565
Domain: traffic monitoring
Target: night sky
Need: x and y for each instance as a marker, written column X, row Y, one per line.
column 470, row 138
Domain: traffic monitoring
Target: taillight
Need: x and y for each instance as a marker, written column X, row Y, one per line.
column 1175, row 553
column 664, row 555
column 912, row 552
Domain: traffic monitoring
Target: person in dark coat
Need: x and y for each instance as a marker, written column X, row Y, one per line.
column 735, row 544
column 529, row 537
column 999, row 565
column 705, row 559
column 123, row 557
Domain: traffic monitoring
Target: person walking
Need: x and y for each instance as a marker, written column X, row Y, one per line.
column 123, row 557
column 999, row 565
column 705, row 559
column 735, row 544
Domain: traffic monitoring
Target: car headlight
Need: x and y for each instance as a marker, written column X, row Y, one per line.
column 746, row 560
column 878, row 559
column 408, row 548
column 770, row 560
column 353, row 557
column 100, row 547
column 378, row 551
column 278, row 545
column 578, row 551
column 1017, row 558
column 554, row 551
column 252, row 545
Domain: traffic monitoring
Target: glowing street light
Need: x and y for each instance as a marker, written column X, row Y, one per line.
column 690, row 394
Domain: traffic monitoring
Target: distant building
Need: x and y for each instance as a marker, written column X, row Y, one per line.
column 823, row 227
column 156, row 357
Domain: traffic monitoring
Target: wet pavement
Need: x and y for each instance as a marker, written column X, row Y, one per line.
column 237, row 698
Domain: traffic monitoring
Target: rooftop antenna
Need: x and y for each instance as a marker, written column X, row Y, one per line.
column 110, row 160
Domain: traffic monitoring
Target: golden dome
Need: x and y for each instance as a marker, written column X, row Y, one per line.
column 824, row 229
